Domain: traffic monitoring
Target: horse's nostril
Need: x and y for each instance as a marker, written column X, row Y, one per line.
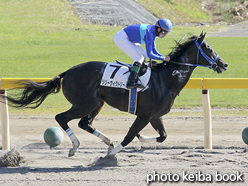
column 226, row 65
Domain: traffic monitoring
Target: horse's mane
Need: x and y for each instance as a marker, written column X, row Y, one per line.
column 178, row 51
column 182, row 47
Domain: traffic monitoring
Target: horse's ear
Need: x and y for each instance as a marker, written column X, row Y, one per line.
column 202, row 36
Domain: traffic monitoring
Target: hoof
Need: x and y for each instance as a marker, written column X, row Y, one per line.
column 109, row 155
column 71, row 153
column 111, row 147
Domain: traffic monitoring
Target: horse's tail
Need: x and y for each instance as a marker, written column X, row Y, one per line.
column 33, row 94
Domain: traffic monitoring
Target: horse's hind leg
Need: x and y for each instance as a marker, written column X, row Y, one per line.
column 63, row 119
column 86, row 124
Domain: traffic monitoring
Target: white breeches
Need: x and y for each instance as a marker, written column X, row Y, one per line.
column 133, row 50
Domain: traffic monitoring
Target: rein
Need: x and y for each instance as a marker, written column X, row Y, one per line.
column 209, row 60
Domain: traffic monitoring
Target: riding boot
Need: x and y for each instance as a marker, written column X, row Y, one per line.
column 133, row 78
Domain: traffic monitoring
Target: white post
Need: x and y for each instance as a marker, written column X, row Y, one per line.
column 5, row 121
column 207, row 119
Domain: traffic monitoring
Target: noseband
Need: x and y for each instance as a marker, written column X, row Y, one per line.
column 209, row 60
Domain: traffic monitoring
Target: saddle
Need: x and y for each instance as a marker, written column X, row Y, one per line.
column 116, row 75
column 142, row 70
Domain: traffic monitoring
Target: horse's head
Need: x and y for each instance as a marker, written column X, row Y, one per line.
column 207, row 57
column 197, row 52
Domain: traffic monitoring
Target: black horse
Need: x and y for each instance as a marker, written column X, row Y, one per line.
column 81, row 87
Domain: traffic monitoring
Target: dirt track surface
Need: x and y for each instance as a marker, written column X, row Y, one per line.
column 180, row 153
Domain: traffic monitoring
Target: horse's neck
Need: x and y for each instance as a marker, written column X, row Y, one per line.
column 177, row 77
column 181, row 73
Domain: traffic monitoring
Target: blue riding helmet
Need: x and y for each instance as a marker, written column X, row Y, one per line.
column 164, row 24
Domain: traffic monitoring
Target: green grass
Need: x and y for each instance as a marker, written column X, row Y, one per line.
column 40, row 39
column 195, row 11
column 178, row 11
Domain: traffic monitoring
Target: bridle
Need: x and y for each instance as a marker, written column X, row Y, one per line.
column 200, row 51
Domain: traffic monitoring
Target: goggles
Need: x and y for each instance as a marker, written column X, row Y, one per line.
column 164, row 32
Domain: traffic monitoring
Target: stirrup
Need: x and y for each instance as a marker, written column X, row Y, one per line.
column 133, row 84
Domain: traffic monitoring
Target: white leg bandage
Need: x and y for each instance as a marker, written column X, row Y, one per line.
column 116, row 150
column 144, row 139
column 72, row 136
column 74, row 140
column 102, row 136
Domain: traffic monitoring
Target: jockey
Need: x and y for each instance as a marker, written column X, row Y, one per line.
column 129, row 40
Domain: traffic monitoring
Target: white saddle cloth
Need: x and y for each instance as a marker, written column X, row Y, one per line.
column 116, row 75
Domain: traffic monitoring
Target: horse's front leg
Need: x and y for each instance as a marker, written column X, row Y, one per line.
column 137, row 126
column 75, row 142
column 158, row 125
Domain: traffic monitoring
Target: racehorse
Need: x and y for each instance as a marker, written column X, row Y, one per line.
column 81, row 87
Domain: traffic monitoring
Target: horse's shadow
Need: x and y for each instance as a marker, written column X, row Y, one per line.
column 96, row 163
column 26, row 170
